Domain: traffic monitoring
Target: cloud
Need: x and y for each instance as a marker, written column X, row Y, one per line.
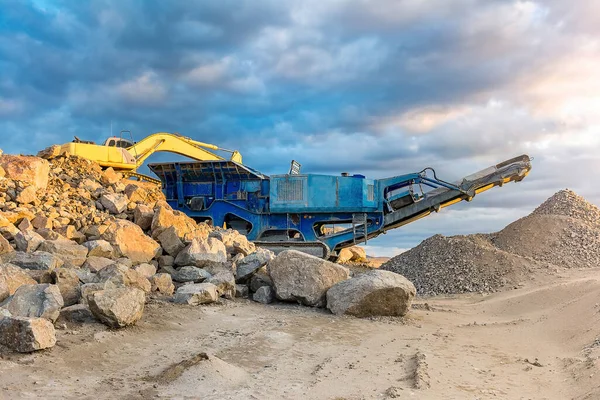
column 376, row 87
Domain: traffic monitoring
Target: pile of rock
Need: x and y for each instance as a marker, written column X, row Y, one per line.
column 562, row 232
column 81, row 244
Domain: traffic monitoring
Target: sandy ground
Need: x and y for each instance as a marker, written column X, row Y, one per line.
column 537, row 342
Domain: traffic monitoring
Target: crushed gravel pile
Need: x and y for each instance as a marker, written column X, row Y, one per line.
column 562, row 232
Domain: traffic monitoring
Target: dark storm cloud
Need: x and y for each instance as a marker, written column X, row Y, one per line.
column 375, row 87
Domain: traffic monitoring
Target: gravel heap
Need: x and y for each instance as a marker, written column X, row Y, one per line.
column 562, row 232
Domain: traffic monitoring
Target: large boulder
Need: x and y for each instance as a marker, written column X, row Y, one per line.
column 27, row 335
column 375, row 293
column 304, row 278
column 36, row 301
column 68, row 283
column 118, row 307
column 33, row 171
column 129, row 241
column 196, row 294
column 115, row 203
column 27, row 196
column 39, row 261
column 99, row 248
column 11, row 278
column 246, row 267
column 203, row 253
column 122, row 275
column 73, row 254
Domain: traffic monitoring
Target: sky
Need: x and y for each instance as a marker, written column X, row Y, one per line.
column 377, row 87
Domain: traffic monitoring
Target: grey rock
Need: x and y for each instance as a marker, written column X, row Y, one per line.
column 95, row 264
column 36, row 301
column 264, row 295
column 188, row 274
column 304, row 278
column 242, row 291
column 114, row 203
column 252, row 263
column 196, row 294
column 374, row 293
column 225, row 283
column 68, row 283
column 259, row 279
column 70, row 252
column 27, row 335
column 202, row 253
column 118, row 307
column 28, row 241
column 39, row 260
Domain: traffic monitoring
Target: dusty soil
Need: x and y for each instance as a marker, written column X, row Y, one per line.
column 537, row 342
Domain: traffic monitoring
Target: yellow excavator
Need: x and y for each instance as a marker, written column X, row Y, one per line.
column 126, row 156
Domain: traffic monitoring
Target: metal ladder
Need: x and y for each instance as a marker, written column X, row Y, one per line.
column 359, row 227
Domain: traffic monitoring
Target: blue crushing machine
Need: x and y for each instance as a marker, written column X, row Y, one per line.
column 317, row 214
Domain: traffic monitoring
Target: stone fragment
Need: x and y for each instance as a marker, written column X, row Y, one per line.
column 110, row 177
column 95, row 264
column 5, row 248
column 118, row 307
column 28, row 241
column 225, row 283
column 169, row 241
column 242, row 291
column 259, row 279
column 11, row 278
column 252, row 263
column 203, row 253
column 264, row 295
column 26, row 335
column 163, row 284
column 146, row 270
column 196, row 294
column 68, row 283
column 166, row 261
column 188, row 274
column 42, row 222
column 142, row 216
column 39, row 260
column 375, row 293
column 70, row 252
column 99, row 248
column 30, row 170
column 129, row 241
column 36, row 301
column 27, row 195
column 304, row 278
column 123, row 275
column 114, row 203
column 79, row 313
column 165, row 218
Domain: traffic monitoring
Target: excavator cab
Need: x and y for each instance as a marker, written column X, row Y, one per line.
column 118, row 142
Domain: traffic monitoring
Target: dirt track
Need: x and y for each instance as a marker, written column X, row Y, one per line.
column 523, row 344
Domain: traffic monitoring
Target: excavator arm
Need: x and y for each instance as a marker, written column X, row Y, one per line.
column 177, row 144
